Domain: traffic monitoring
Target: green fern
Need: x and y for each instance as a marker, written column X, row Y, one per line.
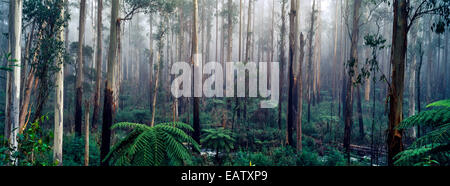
column 150, row 146
column 218, row 139
column 442, row 103
column 433, row 147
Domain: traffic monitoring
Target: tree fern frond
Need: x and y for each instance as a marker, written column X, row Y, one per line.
column 439, row 135
column 424, row 153
column 432, row 118
column 442, row 103
column 434, row 147
column 128, row 125
column 150, row 146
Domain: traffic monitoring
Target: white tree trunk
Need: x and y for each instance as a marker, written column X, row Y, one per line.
column 59, row 105
column 15, row 31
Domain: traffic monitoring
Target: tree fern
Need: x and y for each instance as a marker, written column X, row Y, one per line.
column 218, row 139
column 434, row 147
column 150, row 146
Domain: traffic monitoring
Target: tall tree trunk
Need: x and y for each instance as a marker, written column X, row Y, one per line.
column 181, row 55
column 238, row 108
column 418, row 86
column 367, row 81
column 309, row 78
column 98, row 62
column 79, row 82
column 282, row 58
column 230, row 44
column 59, row 105
column 15, row 31
column 398, row 54
column 430, row 60
column 334, row 85
column 217, row 30
column 360, row 114
column 109, row 106
column 443, row 76
column 155, row 93
column 86, row 134
column 292, row 52
column 348, row 111
column 300, row 93
column 318, row 56
column 7, row 129
column 196, row 112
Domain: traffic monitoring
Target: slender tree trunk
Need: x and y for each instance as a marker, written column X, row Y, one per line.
column 79, row 82
column 230, row 44
column 429, row 63
column 318, row 55
column 300, row 93
column 15, row 31
column 360, row 114
column 282, row 58
column 7, row 130
column 98, row 62
column 109, row 106
column 86, row 134
column 398, row 54
column 217, row 30
column 196, row 113
column 418, row 86
column 181, row 54
column 292, row 52
column 309, row 78
column 334, row 87
column 59, row 105
column 238, row 106
column 444, row 78
column 348, row 111
column 155, row 93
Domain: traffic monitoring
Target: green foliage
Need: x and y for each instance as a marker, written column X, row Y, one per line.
column 335, row 158
column 284, row 156
column 33, row 147
column 47, row 50
column 73, row 151
column 256, row 158
column 134, row 115
column 376, row 42
column 150, row 146
column 308, row 158
column 434, row 147
column 218, row 139
column 8, row 67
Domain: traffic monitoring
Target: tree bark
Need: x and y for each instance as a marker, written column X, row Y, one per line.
column 196, row 114
column 230, row 44
column 360, row 114
column 334, row 87
column 98, row 62
column 292, row 52
column 155, row 94
column 309, row 78
column 398, row 55
column 79, row 81
column 109, row 106
column 282, row 58
column 59, row 105
column 352, row 67
column 86, row 134
column 15, row 31
column 300, row 94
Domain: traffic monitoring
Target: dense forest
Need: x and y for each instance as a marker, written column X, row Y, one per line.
column 139, row 83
